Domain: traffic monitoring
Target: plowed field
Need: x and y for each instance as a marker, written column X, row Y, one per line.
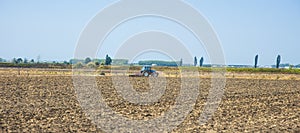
column 50, row 104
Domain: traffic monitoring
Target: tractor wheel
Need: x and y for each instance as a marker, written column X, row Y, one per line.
column 146, row 74
column 154, row 74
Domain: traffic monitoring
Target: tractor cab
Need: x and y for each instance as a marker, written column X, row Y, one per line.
column 146, row 68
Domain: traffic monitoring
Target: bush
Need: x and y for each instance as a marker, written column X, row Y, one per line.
column 91, row 65
column 78, row 65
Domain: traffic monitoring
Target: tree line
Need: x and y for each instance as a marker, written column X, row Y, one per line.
column 93, row 63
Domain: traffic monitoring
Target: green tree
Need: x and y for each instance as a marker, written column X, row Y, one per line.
column 14, row 60
column 108, row 60
column 291, row 66
column 25, row 60
column 66, row 62
column 201, row 61
column 256, row 61
column 38, row 58
column 19, row 60
column 195, row 61
column 87, row 60
column 180, row 62
column 32, row 61
column 2, row 60
column 97, row 63
column 278, row 61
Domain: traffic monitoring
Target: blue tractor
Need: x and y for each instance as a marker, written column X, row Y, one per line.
column 146, row 71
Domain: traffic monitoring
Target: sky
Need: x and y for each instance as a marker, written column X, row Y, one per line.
column 51, row 28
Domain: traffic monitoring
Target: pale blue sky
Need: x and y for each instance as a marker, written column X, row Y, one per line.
column 51, row 28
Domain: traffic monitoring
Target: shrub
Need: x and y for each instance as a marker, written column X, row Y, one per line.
column 78, row 65
column 91, row 65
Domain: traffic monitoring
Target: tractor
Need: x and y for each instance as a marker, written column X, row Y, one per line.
column 146, row 71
